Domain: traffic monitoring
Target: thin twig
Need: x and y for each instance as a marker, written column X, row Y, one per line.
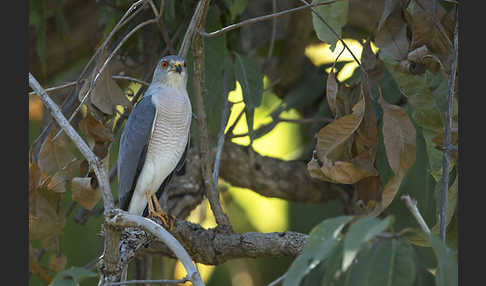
column 219, row 150
column 447, row 134
column 183, row 280
column 130, row 79
column 278, row 280
column 260, row 18
column 118, row 26
column 69, row 84
column 198, row 53
column 186, row 42
column 54, row 88
column 334, row 32
column 233, row 125
column 412, row 206
column 305, row 120
column 123, row 219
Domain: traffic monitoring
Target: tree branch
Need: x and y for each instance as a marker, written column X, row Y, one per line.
column 211, row 247
column 112, row 236
column 211, row 192
column 412, row 206
column 118, row 218
column 447, row 135
column 289, row 179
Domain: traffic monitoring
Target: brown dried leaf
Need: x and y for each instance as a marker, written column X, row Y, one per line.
column 332, row 149
column 400, row 146
column 84, row 194
column 392, row 38
column 425, row 31
column 95, row 129
column 349, row 172
column 106, row 94
column 331, row 92
column 315, row 170
column 56, row 183
column 331, row 139
column 368, row 189
column 390, row 190
column 47, row 217
column 398, row 137
column 57, row 155
column 57, row 263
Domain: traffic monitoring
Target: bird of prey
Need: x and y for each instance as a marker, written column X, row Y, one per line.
column 155, row 139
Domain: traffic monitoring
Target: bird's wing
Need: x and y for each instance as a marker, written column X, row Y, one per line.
column 133, row 147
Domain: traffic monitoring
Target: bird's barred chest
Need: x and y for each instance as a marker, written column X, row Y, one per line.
column 169, row 136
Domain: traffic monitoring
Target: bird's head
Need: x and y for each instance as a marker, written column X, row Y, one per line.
column 171, row 71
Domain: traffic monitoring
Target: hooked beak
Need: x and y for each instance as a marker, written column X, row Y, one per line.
column 178, row 68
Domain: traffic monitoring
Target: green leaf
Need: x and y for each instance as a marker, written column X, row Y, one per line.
column 424, row 258
column 393, row 264
column 332, row 274
column 248, row 74
column 359, row 272
column 336, row 15
column 382, row 262
column 447, row 268
column 72, row 276
column 421, row 92
column 321, row 241
column 215, row 57
column 360, row 232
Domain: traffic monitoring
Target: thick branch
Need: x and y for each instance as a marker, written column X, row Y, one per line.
column 273, row 177
column 122, row 219
column 211, row 247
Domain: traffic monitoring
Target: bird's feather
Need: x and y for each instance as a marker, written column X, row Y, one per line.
column 133, row 148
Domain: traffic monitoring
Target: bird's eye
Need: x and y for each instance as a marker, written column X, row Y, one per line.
column 185, row 64
column 164, row 64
